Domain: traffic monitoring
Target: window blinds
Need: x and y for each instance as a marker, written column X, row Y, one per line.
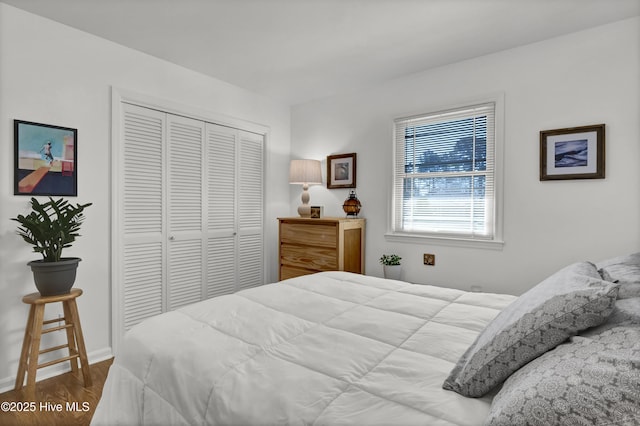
column 444, row 173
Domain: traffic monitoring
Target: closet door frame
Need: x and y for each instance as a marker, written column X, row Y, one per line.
column 119, row 97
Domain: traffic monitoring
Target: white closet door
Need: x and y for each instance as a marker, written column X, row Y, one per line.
column 185, row 211
column 142, row 210
column 221, row 155
column 251, row 207
column 188, row 213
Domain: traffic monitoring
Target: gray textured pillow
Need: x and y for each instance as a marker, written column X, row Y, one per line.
column 583, row 382
column 626, row 312
column 573, row 299
column 624, row 270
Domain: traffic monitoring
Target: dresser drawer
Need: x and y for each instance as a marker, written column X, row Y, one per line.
column 308, row 257
column 317, row 235
column 287, row 272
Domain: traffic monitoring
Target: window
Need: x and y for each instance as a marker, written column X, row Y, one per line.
column 444, row 178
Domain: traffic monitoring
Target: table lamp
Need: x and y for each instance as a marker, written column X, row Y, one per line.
column 305, row 172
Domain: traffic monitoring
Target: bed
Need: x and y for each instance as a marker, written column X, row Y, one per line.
column 336, row 348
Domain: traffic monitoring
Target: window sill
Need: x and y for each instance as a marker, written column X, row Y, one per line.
column 444, row 241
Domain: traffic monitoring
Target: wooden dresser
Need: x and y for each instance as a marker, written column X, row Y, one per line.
column 327, row 244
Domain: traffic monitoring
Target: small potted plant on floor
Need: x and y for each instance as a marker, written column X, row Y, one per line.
column 391, row 266
column 49, row 228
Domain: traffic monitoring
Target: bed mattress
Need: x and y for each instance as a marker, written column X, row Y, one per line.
column 325, row 349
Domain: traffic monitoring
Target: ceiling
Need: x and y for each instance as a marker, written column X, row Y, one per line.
column 300, row 50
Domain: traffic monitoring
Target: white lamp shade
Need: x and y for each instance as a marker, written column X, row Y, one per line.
column 305, row 172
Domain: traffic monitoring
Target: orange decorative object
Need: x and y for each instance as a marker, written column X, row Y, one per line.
column 352, row 205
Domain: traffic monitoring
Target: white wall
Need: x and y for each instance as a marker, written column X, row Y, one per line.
column 50, row 73
column 590, row 77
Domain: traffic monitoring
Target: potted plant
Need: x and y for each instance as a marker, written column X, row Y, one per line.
column 391, row 266
column 49, row 228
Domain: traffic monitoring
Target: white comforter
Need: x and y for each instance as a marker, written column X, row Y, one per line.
column 326, row 349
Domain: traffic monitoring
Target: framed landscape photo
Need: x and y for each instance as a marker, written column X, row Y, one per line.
column 45, row 159
column 572, row 153
column 341, row 171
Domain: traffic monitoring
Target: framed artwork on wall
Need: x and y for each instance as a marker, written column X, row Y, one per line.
column 45, row 160
column 572, row 153
column 341, row 171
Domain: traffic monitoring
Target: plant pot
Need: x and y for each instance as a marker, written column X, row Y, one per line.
column 392, row 272
column 54, row 278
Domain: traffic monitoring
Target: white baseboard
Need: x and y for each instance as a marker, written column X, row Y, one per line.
column 8, row 383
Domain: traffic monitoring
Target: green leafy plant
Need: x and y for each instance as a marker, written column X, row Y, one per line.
column 51, row 226
column 390, row 259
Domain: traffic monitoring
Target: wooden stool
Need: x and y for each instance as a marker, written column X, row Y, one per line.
column 33, row 332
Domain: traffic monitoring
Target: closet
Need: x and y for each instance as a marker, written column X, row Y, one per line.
column 188, row 212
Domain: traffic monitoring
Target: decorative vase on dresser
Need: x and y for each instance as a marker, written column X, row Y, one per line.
column 310, row 245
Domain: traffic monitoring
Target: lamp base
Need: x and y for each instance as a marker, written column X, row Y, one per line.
column 304, row 210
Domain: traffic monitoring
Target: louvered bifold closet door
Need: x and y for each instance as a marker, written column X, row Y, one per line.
column 185, row 211
column 141, row 209
column 221, row 148
column 251, row 208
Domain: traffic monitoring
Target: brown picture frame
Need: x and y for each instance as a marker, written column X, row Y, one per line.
column 573, row 153
column 341, row 171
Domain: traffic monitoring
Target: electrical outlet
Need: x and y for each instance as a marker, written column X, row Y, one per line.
column 430, row 259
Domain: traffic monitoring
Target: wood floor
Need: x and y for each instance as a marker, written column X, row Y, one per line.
column 66, row 392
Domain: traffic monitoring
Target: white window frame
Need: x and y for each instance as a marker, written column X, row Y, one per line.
column 497, row 241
